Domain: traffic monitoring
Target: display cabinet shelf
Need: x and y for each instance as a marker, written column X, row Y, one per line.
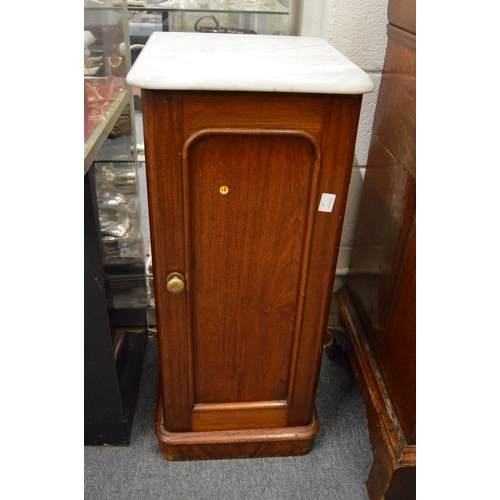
column 98, row 135
column 271, row 7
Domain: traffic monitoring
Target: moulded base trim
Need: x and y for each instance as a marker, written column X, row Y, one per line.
column 251, row 443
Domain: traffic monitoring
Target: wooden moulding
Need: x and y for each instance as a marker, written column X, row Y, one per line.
column 393, row 472
column 248, row 443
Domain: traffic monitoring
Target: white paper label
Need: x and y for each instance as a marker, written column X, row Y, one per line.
column 326, row 203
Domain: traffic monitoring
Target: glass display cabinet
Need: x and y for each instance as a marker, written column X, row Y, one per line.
column 114, row 262
column 265, row 17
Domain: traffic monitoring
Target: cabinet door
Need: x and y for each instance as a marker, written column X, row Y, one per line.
column 235, row 185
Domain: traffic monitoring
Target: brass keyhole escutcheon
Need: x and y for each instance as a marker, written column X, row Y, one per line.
column 175, row 283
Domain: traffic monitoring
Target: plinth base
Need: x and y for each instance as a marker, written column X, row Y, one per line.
column 251, row 443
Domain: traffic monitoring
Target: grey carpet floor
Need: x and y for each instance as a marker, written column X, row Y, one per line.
column 336, row 469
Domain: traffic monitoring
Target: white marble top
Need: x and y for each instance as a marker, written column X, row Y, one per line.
column 258, row 63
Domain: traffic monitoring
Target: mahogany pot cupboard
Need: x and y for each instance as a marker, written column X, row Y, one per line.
column 249, row 144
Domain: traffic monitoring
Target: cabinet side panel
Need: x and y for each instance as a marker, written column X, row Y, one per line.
column 338, row 136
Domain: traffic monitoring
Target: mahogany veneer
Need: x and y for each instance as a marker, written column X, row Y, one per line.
column 234, row 184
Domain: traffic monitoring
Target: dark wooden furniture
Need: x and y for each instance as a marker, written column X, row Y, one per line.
column 113, row 356
column 244, row 256
column 378, row 303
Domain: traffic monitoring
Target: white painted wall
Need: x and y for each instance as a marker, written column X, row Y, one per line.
column 357, row 28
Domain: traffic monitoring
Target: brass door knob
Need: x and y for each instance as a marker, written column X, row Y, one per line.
column 175, row 283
